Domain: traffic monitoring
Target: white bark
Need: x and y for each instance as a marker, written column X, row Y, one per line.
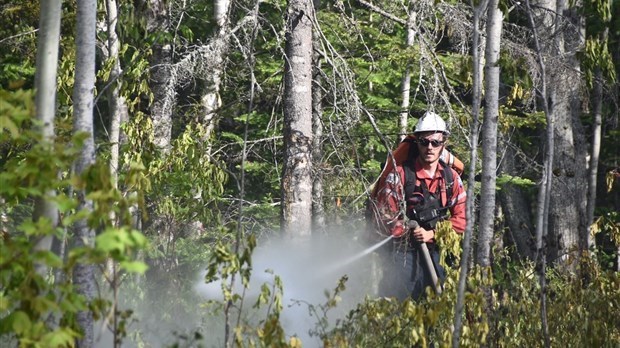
column 405, row 87
column 45, row 103
column 544, row 193
column 489, row 134
column 162, row 81
column 297, row 172
column 221, row 8
column 596, row 149
column 83, row 99
column 211, row 101
column 117, row 104
column 470, row 204
column 318, row 212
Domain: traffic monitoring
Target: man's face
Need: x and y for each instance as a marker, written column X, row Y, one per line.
column 430, row 146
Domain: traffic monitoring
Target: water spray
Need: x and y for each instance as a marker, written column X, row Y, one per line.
column 357, row 256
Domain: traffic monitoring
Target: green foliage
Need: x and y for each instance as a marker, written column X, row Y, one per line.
column 186, row 182
column 513, row 180
column 38, row 302
column 579, row 316
column 387, row 322
column 18, row 40
column 16, row 110
column 596, row 56
column 608, row 223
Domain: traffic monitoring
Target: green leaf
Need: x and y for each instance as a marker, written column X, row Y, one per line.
column 134, row 266
column 139, row 239
column 49, row 258
column 20, row 322
column 6, row 123
column 65, row 203
column 63, row 337
column 110, row 240
column 4, row 303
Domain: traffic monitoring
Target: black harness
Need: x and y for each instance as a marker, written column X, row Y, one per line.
column 423, row 206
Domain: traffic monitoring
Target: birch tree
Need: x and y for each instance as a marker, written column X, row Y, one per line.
column 297, row 172
column 544, row 191
column 470, row 203
column 599, row 70
column 406, row 81
column 45, row 104
column 211, row 101
column 489, row 134
column 162, row 81
column 318, row 212
column 116, row 102
column 83, row 99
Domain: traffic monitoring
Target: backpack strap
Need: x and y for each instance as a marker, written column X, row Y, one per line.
column 449, row 181
column 408, row 166
column 410, row 179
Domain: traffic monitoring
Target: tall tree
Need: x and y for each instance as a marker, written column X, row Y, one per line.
column 405, row 87
column 211, row 101
column 599, row 59
column 318, row 212
column 544, row 192
column 162, row 81
column 116, row 102
column 83, row 99
column 567, row 225
column 296, row 217
column 478, row 11
column 489, row 133
column 45, row 103
column 486, row 229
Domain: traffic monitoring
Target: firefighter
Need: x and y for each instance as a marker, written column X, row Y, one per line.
column 432, row 191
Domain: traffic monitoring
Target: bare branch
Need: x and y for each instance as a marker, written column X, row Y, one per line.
column 383, row 13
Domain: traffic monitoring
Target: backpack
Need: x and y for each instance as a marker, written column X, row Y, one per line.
column 405, row 154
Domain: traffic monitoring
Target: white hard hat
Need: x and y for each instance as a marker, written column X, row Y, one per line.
column 431, row 122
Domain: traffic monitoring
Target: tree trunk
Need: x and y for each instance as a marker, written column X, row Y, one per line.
column 517, row 210
column 489, row 134
column 297, row 173
column 470, row 204
column 83, row 98
column 45, row 103
column 567, row 220
column 116, row 103
column 597, row 101
column 594, row 154
column 405, row 87
column 318, row 213
column 211, row 101
column 162, row 81
column 540, row 21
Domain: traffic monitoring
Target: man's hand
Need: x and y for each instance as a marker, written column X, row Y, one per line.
column 422, row 235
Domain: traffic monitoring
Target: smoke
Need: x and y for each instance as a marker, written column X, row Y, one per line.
column 307, row 270
column 169, row 310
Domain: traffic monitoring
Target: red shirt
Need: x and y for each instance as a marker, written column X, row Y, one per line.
column 390, row 196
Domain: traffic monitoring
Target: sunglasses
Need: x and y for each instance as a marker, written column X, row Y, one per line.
column 426, row 142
